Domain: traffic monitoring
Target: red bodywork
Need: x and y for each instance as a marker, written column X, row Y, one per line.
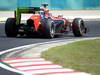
column 36, row 19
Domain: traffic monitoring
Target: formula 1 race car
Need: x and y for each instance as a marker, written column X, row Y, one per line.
column 43, row 23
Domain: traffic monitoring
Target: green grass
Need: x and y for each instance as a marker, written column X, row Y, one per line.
column 82, row 55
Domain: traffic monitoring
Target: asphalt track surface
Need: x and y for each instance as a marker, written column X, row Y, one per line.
column 8, row 43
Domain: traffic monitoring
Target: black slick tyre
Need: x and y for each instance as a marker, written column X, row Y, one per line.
column 11, row 28
column 78, row 27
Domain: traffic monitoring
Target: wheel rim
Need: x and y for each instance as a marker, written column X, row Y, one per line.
column 82, row 28
column 52, row 31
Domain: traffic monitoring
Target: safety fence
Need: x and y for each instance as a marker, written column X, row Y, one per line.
column 53, row 4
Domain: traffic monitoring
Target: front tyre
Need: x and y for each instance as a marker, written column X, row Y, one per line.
column 11, row 28
column 78, row 27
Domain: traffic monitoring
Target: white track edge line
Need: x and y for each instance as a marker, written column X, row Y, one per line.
column 13, row 49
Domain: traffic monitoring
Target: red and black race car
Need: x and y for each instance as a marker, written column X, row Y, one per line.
column 42, row 23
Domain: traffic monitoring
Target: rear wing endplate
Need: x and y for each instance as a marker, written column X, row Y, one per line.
column 21, row 10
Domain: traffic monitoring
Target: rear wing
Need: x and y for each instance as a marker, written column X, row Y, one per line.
column 21, row 10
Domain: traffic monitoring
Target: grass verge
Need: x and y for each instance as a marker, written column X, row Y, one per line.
column 82, row 55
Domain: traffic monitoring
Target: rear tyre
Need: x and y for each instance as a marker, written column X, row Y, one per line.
column 78, row 27
column 11, row 28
